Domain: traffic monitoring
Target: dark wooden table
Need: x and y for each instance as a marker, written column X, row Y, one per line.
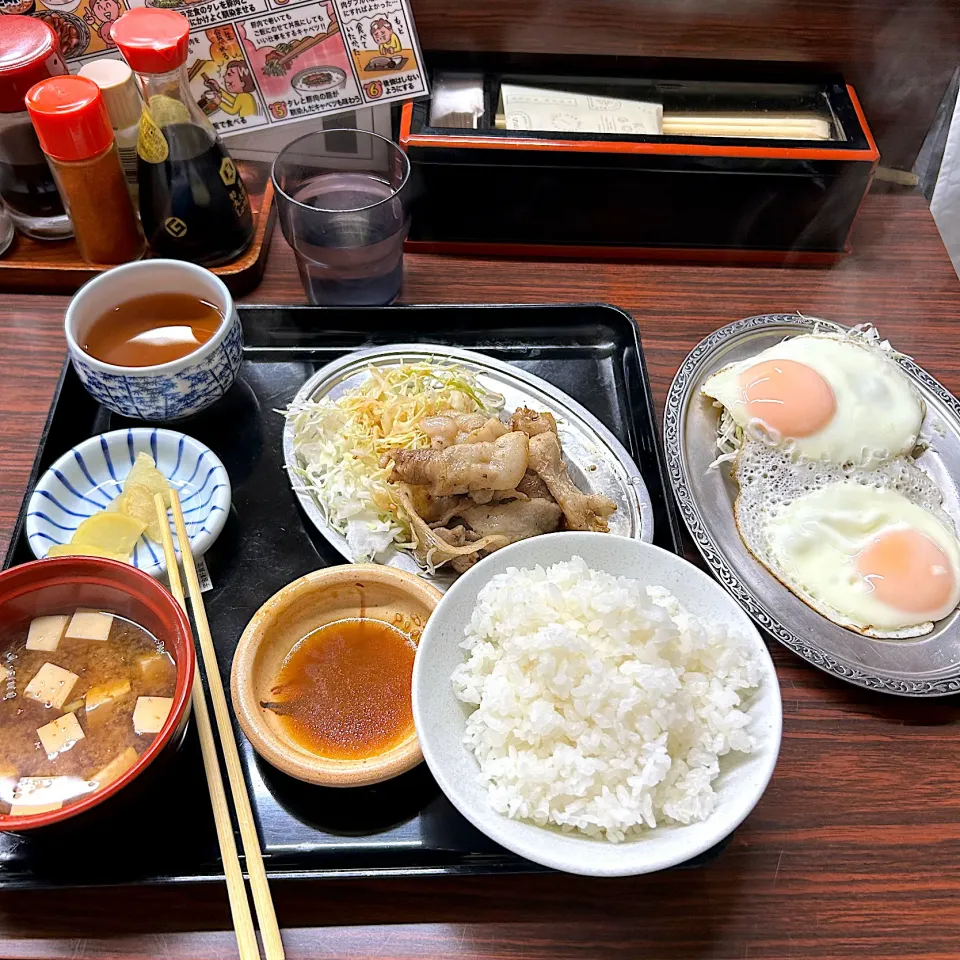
column 854, row 851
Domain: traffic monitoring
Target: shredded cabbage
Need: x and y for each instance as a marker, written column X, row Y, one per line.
column 339, row 444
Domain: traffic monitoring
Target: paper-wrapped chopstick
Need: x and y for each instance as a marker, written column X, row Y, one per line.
column 762, row 125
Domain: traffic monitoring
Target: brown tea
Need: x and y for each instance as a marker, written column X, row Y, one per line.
column 152, row 329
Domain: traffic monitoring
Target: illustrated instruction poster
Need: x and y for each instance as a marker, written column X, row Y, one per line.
column 257, row 63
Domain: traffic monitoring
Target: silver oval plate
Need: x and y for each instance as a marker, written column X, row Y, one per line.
column 924, row 667
column 596, row 460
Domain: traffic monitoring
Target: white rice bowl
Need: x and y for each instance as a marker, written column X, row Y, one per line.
column 592, row 726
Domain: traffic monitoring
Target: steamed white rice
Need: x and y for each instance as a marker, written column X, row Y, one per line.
column 602, row 706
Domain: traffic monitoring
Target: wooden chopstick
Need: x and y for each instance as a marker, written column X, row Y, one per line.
column 236, row 890
column 783, row 126
column 262, row 899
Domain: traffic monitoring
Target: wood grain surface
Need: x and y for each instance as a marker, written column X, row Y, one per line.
column 854, row 851
column 899, row 54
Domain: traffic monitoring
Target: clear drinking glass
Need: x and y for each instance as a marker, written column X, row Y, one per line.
column 342, row 197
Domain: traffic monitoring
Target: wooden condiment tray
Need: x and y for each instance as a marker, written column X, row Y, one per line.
column 33, row 266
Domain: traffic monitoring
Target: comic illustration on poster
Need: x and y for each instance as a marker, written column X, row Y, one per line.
column 258, row 63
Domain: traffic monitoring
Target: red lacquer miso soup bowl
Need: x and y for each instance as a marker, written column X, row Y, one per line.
column 56, row 589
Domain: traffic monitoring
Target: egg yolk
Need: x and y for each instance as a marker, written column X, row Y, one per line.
column 788, row 397
column 907, row 571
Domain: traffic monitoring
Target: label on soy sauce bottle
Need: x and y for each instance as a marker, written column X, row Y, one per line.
column 193, row 204
column 151, row 143
column 159, row 112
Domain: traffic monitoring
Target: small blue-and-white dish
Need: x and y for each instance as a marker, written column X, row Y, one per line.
column 164, row 391
column 85, row 479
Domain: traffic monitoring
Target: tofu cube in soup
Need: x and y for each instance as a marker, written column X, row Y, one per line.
column 42, row 794
column 8, row 780
column 117, row 767
column 45, row 633
column 103, row 698
column 157, row 669
column 60, row 735
column 90, row 625
column 51, row 685
column 150, row 714
column 18, row 809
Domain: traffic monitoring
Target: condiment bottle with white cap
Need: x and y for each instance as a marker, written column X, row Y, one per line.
column 122, row 100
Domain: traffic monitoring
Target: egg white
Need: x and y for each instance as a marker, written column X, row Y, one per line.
column 878, row 412
column 806, row 522
column 815, row 541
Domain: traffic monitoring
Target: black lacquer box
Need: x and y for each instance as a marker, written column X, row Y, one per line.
column 629, row 197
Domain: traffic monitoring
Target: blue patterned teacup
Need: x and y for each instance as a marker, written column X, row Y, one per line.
column 167, row 391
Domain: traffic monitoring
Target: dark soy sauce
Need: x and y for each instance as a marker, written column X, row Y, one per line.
column 193, row 204
column 26, row 183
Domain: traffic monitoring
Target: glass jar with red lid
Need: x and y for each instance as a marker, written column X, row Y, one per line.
column 29, row 53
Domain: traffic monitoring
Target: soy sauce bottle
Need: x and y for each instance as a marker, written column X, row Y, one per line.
column 193, row 204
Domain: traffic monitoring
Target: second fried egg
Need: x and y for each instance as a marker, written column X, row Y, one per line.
column 871, row 550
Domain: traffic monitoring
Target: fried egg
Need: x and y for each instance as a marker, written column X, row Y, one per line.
column 837, row 398
column 871, row 550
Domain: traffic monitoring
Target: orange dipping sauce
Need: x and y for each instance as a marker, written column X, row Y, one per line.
column 152, row 329
column 344, row 691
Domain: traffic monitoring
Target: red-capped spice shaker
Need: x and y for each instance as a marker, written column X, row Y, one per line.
column 192, row 201
column 74, row 131
column 29, row 52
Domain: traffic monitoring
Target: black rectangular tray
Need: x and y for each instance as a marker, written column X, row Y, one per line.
column 402, row 827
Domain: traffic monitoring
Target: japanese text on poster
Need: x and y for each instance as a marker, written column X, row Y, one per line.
column 256, row 63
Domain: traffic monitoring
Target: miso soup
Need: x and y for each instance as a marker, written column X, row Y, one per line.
column 82, row 695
